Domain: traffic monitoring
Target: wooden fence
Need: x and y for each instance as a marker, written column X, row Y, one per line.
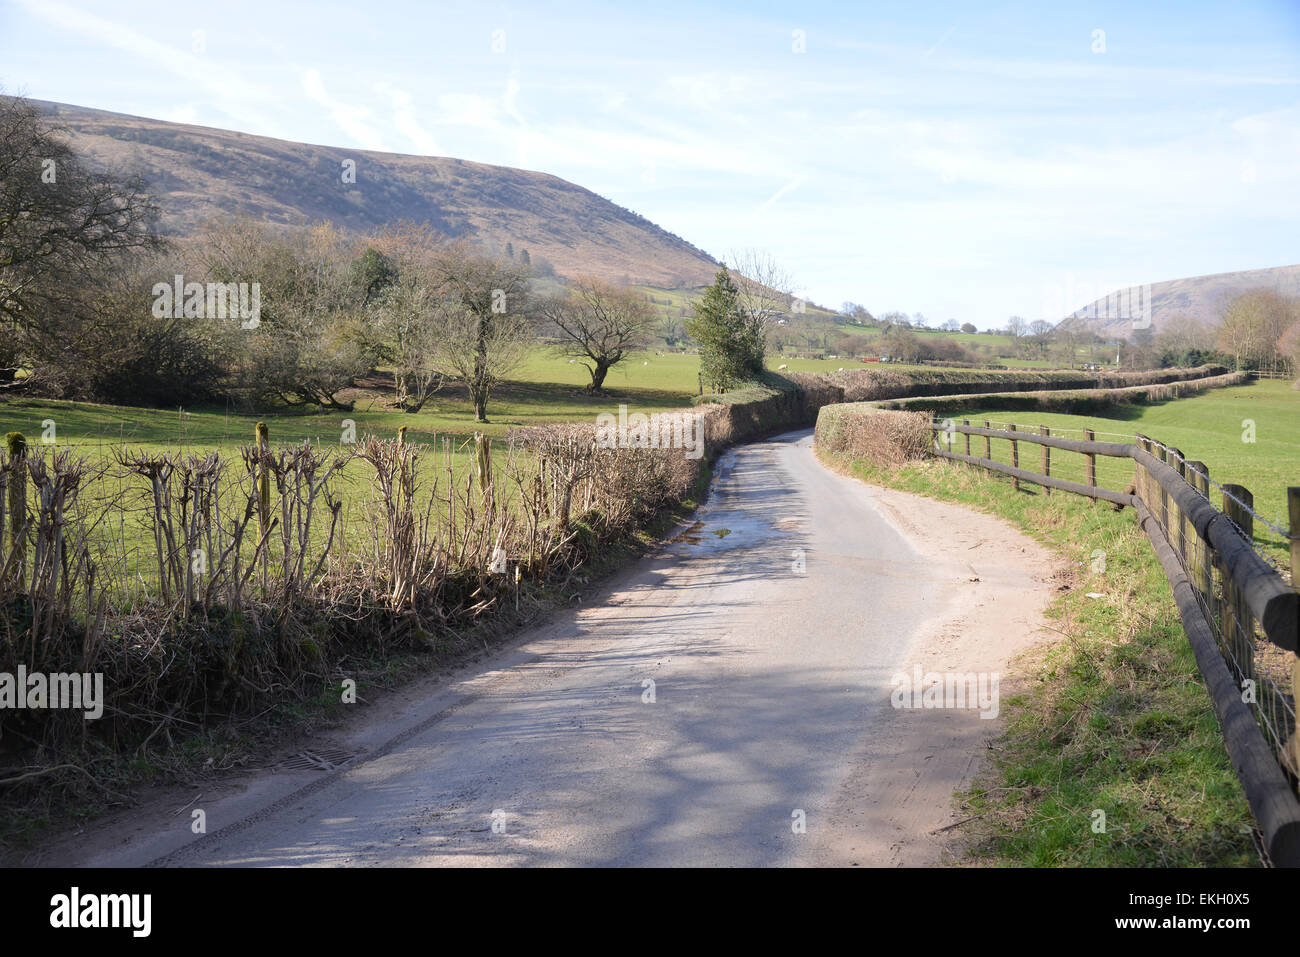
column 1239, row 612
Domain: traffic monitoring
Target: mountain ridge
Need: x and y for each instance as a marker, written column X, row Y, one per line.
column 198, row 172
column 1198, row 297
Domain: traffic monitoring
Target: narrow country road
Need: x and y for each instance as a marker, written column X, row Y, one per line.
column 770, row 632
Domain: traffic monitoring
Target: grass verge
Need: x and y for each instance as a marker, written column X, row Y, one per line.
column 1114, row 717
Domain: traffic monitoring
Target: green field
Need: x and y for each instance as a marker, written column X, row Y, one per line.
column 1208, row 427
column 996, row 348
column 547, row 389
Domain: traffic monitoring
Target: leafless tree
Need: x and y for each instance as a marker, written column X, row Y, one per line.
column 1040, row 331
column 599, row 324
column 414, row 315
column 489, row 319
column 306, row 345
column 61, row 227
column 408, row 315
column 1182, row 334
column 765, row 294
column 1253, row 323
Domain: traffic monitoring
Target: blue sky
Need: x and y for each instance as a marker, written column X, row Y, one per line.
column 968, row 161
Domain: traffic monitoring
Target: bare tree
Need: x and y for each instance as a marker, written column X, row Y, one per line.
column 1040, row 331
column 765, row 294
column 1181, row 336
column 61, row 227
column 408, row 314
column 599, row 324
column 412, row 315
column 306, row 345
column 1288, row 346
column 1253, row 323
column 489, row 319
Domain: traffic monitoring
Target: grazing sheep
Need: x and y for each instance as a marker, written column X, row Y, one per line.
column 782, row 367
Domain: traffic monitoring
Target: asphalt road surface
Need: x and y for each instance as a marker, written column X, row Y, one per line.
column 725, row 702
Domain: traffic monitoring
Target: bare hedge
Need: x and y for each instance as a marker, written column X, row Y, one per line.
column 880, row 437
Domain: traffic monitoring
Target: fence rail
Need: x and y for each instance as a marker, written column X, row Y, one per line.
column 1241, row 616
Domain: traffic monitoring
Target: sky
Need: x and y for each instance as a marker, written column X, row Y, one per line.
column 961, row 160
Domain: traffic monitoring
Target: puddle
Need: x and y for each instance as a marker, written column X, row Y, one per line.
column 721, row 526
column 691, row 535
column 728, row 529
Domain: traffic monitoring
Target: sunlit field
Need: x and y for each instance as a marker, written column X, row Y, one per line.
column 1213, row 427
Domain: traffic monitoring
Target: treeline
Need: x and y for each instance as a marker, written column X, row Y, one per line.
column 1261, row 330
column 95, row 305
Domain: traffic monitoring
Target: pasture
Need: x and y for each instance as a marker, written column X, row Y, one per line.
column 1214, row 427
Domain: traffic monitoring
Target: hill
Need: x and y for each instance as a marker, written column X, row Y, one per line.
column 197, row 173
column 1200, row 297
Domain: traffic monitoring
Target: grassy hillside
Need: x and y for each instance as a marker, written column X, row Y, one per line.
column 198, row 173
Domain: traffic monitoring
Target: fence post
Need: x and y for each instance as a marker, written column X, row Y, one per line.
column 263, row 477
column 988, row 443
column 1163, row 455
column 1090, row 466
column 1237, row 505
column 1293, row 511
column 1180, row 463
column 1047, row 458
column 966, row 422
column 1140, row 472
column 1199, row 477
column 16, row 443
column 1015, row 457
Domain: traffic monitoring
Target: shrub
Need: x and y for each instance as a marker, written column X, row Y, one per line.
column 884, row 438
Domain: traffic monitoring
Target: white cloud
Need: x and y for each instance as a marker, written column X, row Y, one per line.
column 227, row 91
column 354, row 120
column 182, row 114
column 793, row 184
column 405, row 120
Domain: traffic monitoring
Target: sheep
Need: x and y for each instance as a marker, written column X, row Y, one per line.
column 782, row 367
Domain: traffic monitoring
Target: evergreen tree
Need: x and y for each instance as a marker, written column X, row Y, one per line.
column 719, row 327
column 372, row 274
